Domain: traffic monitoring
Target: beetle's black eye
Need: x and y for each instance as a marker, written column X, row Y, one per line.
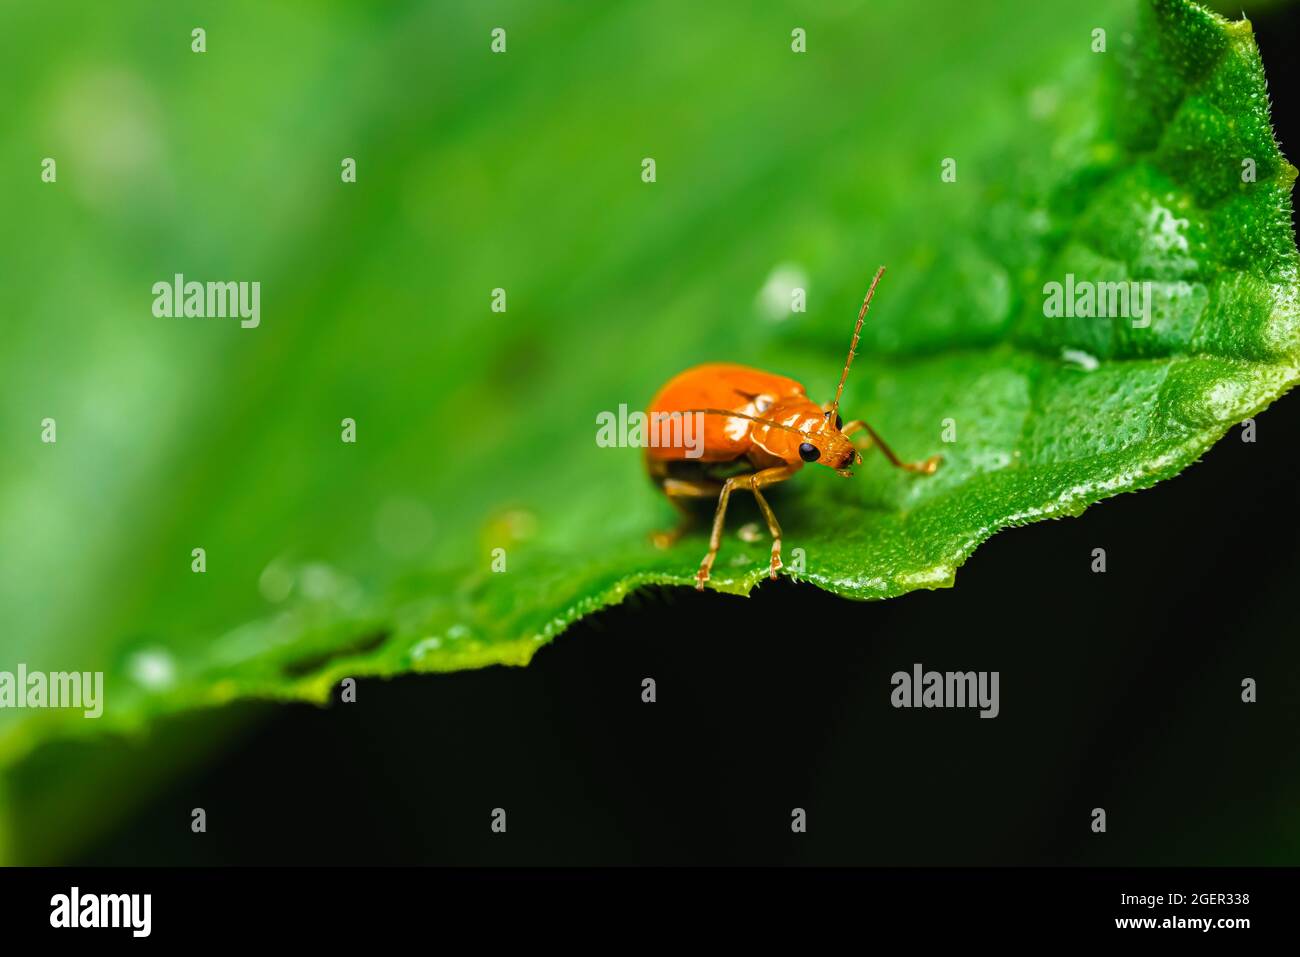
column 809, row 452
column 839, row 423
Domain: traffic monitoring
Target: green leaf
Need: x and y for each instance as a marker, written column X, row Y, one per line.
column 522, row 171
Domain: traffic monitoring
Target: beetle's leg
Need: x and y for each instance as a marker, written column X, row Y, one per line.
column 925, row 468
column 773, row 526
column 715, row 539
column 677, row 490
column 755, row 481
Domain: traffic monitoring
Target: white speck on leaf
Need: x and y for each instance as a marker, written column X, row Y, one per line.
column 1085, row 361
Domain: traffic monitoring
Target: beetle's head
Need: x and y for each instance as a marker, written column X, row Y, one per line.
column 830, row 447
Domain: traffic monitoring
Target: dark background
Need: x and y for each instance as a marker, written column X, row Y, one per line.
column 1118, row 690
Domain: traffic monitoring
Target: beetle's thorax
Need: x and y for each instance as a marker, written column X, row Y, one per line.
column 801, row 413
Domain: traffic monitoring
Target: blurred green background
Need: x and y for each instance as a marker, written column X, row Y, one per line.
column 475, row 171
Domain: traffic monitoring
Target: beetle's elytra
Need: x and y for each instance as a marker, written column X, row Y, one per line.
column 759, row 422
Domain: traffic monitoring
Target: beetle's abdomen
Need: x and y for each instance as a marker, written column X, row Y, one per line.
column 694, row 471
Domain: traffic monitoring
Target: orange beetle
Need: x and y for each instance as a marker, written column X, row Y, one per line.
column 759, row 429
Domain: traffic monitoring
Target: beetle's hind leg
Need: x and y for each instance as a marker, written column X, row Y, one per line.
column 678, row 490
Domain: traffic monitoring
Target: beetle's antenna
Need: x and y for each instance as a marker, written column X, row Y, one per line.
column 857, row 331
column 752, row 418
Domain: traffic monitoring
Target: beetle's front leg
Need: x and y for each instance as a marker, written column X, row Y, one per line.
column 924, row 468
